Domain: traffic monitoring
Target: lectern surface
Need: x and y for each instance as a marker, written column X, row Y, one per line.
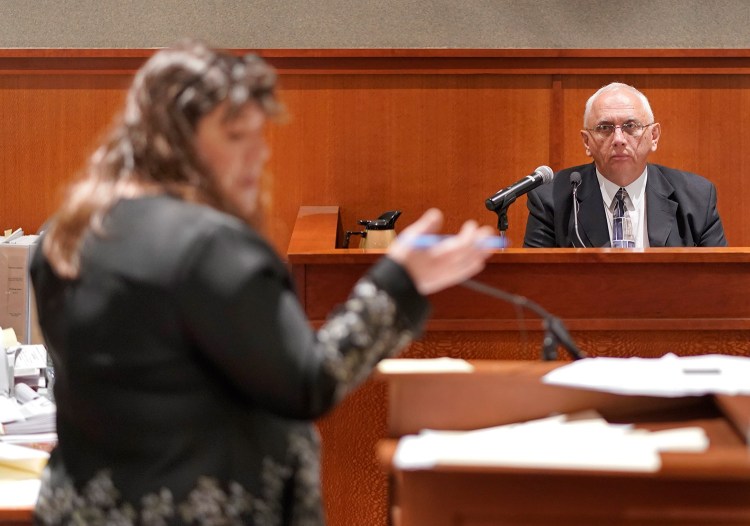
column 689, row 489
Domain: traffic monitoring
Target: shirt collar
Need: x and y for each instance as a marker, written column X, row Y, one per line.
column 636, row 190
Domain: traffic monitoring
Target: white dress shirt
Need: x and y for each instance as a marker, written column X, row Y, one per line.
column 635, row 205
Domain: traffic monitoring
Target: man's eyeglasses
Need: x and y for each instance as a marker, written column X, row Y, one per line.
column 634, row 129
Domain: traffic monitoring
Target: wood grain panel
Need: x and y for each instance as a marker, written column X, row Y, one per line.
column 349, row 468
column 373, row 143
column 48, row 127
column 527, row 344
column 679, row 286
column 370, row 130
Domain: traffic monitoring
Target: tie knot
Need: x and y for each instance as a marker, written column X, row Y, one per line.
column 621, row 195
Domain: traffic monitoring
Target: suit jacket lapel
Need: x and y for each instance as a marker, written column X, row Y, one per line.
column 660, row 209
column 591, row 216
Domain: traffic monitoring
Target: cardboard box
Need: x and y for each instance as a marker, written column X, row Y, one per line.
column 17, row 306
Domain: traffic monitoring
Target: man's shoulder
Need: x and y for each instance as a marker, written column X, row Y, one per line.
column 581, row 168
column 560, row 187
column 677, row 176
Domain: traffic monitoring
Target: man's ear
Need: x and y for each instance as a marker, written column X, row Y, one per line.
column 655, row 135
column 585, row 137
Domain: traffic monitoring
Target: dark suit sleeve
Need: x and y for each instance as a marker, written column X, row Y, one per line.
column 540, row 228
column 713, row 235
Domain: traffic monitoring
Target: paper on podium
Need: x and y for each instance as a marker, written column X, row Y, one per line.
column 668, row 376
column 424, row 365
column 9, row 338
column 19, row 493
column 10, row 411
column 551, row 443
column 28, row 461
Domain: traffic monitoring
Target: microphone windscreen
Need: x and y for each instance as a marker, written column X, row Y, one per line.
column 546, row 173
column 575, row 178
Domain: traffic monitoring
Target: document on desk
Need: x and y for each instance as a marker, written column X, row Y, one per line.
column 10, row 411
column 551, row 443
column 668, row 376
column 27, row 460
column 20, row 469
column 19, row 493
column 424, row 365
column 30, row 359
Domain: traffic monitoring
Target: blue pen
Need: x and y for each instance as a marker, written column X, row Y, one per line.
column 429, row 240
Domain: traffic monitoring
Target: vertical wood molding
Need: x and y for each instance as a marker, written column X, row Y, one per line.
column 556, row 129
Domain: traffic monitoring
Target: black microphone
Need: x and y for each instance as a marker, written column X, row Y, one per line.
column 575, row 181
column 555, row 332
column 506, row 196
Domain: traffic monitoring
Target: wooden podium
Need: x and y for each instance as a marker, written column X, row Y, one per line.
column 16, row 516
column 710, row 488
column 686, row 301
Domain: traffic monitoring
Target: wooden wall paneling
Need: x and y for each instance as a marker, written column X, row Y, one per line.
column 374, row 129
column 373, row 143
column 49, row 125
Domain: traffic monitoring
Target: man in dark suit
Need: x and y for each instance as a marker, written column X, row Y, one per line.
column 660, row 206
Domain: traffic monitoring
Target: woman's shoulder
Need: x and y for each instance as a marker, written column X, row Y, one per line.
column 167, row 233
column 175, row 220
column 169, row 211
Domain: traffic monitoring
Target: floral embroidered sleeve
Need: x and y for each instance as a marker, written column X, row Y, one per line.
column 367, row 327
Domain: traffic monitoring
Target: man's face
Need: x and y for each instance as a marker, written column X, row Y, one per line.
column 620, row 155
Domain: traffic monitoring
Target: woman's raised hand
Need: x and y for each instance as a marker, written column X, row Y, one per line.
column 448, row 261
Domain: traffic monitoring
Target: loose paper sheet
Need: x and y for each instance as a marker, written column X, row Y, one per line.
column 551, row 443
column 668, row 376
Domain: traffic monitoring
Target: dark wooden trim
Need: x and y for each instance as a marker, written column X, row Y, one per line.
column 564, row 256
column 556, row 128
column 407, row 61
column 398, row 53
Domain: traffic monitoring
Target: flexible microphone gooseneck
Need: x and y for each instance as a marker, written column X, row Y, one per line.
column 575, row 181
column 555, row 332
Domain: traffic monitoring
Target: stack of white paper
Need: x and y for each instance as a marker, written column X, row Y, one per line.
column 424, row 365
column 668, row 376
column 550, row 443
column 28, row 461
column 19, row 493
column 20, row 469
column 30, row 360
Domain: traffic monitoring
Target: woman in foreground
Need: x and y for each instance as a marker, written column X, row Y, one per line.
column 187, row 376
